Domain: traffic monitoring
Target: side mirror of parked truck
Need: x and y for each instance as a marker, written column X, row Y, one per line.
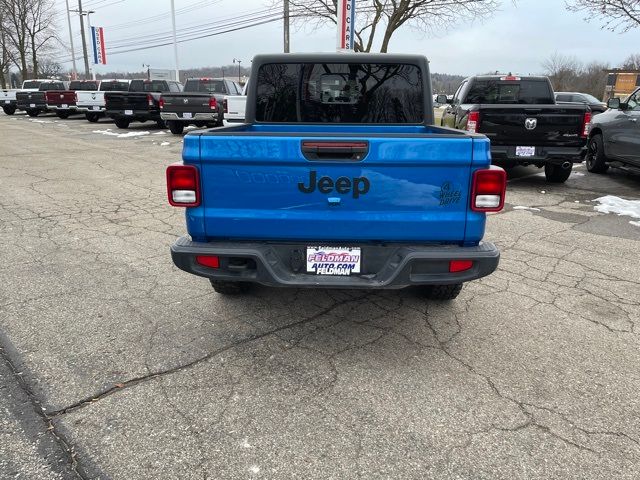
column 442, row 99
column 337, row 179
column 614, row 103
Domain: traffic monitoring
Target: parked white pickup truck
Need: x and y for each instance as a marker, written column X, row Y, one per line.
column 235, row 106
column 92, row 103
column 8, row 97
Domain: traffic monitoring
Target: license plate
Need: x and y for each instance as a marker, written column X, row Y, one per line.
column 64, row 105
column 95, row 107
column 341, row 261
column 525, row 151
column 187, row 115
column 128, row 112
column 32, row 105
column 7, row 101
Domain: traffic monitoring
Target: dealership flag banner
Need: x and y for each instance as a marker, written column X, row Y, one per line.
column 99, row 50
column 346, row 20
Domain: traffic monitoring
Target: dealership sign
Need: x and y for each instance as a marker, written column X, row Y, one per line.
column 346, row 20
column 99, row 49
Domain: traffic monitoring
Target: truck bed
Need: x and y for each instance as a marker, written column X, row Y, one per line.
column 267, row 182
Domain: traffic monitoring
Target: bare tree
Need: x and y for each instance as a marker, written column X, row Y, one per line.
column 5, row 57
column 382, row 18
column 15, row 33
column 562, row 70
column 616, row 15
column 632, row 62
column 40, row 28
column 48, row 68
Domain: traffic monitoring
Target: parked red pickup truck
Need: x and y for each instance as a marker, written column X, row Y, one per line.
column 64, row 102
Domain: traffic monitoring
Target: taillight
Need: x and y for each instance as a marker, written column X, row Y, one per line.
column 460, row 265
column 488, row 189
column 586, row 125
column 183, row 185
column 473, row 122
column 225, row 105
column 211, row 261
column 150, row 99
column 161, row 103
column 213, row 103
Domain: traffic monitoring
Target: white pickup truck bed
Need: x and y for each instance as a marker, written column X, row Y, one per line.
column 236, row 106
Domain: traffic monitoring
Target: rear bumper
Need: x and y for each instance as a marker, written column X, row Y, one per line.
column 32, row 106
column 383, row 266
column 505, row 155
column 68, row 108
column 136, row 115
column 90, row 108
column 197, row 117
column 8, row 102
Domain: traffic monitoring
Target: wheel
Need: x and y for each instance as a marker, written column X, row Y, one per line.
column 176, row 127
column 92, row 117
column 596, row 159
column 556, row 173
column 62, row 115
column 443, row 292
column 33, row 113
column 229, row 288
column 9, row 109
column 122, row 122
column 161, row 124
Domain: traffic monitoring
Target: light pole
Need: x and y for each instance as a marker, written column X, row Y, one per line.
column 73, row 52
column 175, row 43
column 286, row 26
column 84, row 41
column 235, row 60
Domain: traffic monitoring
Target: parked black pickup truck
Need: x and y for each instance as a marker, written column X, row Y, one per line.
column 140, row 103
column 201, row 103
column 35, row 103
column 523, row 122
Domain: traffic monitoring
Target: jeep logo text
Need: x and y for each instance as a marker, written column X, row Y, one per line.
column 357, row 185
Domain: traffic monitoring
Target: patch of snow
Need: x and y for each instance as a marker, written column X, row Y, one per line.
column 620, row 206
column 108, row 131
column 164, row 144
column 254, row 469
column 531, row 209
column 245, row 443
column 577, row 174
column 161, row 133
column 543, row 192
column 41, row 121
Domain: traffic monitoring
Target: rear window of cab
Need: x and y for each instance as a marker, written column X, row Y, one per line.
column 340, row 93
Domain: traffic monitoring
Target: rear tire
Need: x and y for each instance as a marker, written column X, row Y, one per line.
column 596, row 159
column 92, row 117
column 443, row 292
column 176, row 127
column 122, row 122
column 63, row 115
column 224, row 287
column 33, row 113
column 9, row 109
column 557, row 174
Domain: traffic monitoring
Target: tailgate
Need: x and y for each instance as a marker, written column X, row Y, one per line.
column 404, row 189
column 180, row 103
column 540, row 125
column 61, row 98
column 90, row 98
column 126, row 101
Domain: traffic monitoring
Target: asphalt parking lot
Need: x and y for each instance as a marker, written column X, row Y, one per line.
column 115, row 364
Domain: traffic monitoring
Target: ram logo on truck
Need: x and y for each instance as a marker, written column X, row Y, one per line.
column 357, row 185
column 531, row 123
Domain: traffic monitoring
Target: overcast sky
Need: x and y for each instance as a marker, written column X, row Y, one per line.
column 517, row 38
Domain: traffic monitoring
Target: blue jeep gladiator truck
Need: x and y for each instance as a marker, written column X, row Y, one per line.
column 338, row 179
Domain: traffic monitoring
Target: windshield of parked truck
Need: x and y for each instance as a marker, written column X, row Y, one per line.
column 84, row 86
column 205, row 86
column 51, row 86
column 148, row 86
column 523, row 92
column 114, row 86
column 340, row 93
column 32, row 84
